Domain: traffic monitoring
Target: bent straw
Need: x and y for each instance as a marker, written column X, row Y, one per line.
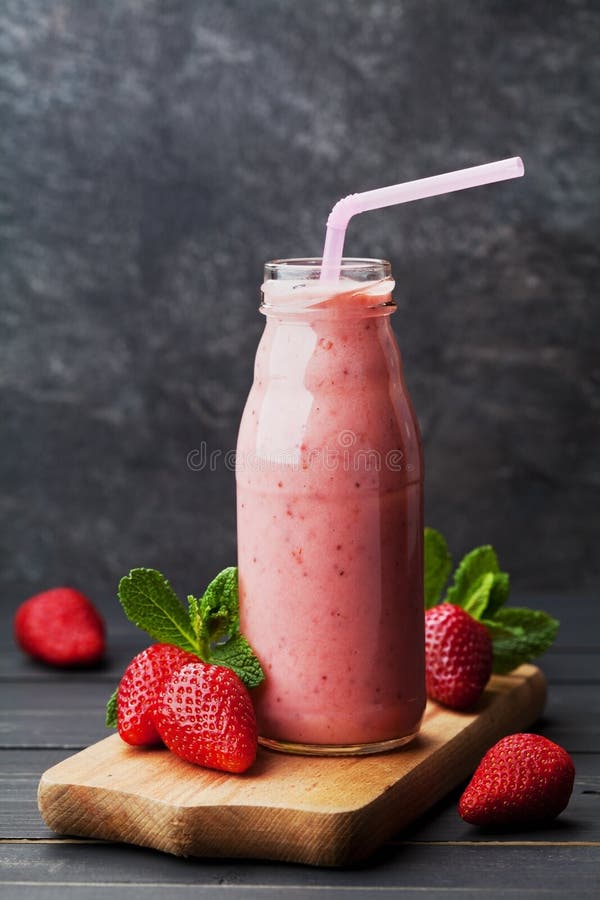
column 353, row 204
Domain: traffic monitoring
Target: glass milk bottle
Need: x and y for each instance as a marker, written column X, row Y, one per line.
column 330, row 516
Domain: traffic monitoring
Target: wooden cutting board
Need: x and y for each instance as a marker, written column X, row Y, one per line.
column 316, row 810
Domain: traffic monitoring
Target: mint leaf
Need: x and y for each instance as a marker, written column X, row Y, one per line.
column 217, row 620
column 111, row 710
column 478, row 597
column 151, row 603
column 498, row 595
column 219, row 608
column 197, row 625
column 467, row 577
column 437, row 565
column 237, row 654
column 519, row 635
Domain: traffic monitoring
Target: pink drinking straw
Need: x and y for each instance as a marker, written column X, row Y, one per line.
column 349, row 206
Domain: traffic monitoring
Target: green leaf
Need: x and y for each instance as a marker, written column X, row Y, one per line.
column 151, row 603
column 219, row 608
column 519, row 635
column 437, row 564
column 498, row 595
column 467, row 577
column 198, row 626
column 237, row 654
column 478, row 597
column 111, row 710
column 216, row 620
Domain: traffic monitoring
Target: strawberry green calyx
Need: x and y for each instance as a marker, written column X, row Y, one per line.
column 480, row 588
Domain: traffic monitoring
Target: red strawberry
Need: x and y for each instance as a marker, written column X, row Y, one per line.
column 458, row 656
column 139, row 688
column 61, row 627
column 205, row 715
column 523, row 779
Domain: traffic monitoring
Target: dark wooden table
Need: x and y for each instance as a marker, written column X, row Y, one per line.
column 47, row 715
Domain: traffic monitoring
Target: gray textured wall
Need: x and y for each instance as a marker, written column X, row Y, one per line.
column 153, row 154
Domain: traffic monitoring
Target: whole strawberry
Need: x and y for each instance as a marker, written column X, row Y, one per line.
column 139, row 690
column 524, row 779
column 60, row 627
column 458, row 656
column 205, row 715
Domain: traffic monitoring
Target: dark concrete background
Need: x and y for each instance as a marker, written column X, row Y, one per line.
column 154, row 153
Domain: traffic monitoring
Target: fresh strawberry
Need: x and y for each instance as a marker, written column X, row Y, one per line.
column 139, row 690
column 205, row 715
column 60, row 627
column 458, row 656
column 524, row 779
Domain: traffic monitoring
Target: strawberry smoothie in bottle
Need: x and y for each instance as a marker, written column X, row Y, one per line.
column 330, row 516
column 329, row 497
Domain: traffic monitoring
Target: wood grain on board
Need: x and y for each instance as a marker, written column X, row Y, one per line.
column 315, row 810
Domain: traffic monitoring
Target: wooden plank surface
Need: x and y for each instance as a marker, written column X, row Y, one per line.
column 48, row 714
column 20, row 772
column 310, row 810
column 452, row 869
column 437, row 856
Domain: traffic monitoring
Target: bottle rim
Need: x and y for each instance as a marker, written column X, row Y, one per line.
column 359, row 277
column 295, row 267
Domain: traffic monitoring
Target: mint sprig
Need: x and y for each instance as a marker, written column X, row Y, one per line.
column 209, row 627
column 482, row 589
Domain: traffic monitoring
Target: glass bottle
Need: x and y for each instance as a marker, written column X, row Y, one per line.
column 330, row 516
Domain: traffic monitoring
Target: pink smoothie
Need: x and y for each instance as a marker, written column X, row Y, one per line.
column 330, row 523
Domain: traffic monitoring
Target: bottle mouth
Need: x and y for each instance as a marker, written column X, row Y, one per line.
column 295, row 286
column 309, row 268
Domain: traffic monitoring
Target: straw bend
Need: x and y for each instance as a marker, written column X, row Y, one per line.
column 342, row 212
column 474, row 176
column 349, row 206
